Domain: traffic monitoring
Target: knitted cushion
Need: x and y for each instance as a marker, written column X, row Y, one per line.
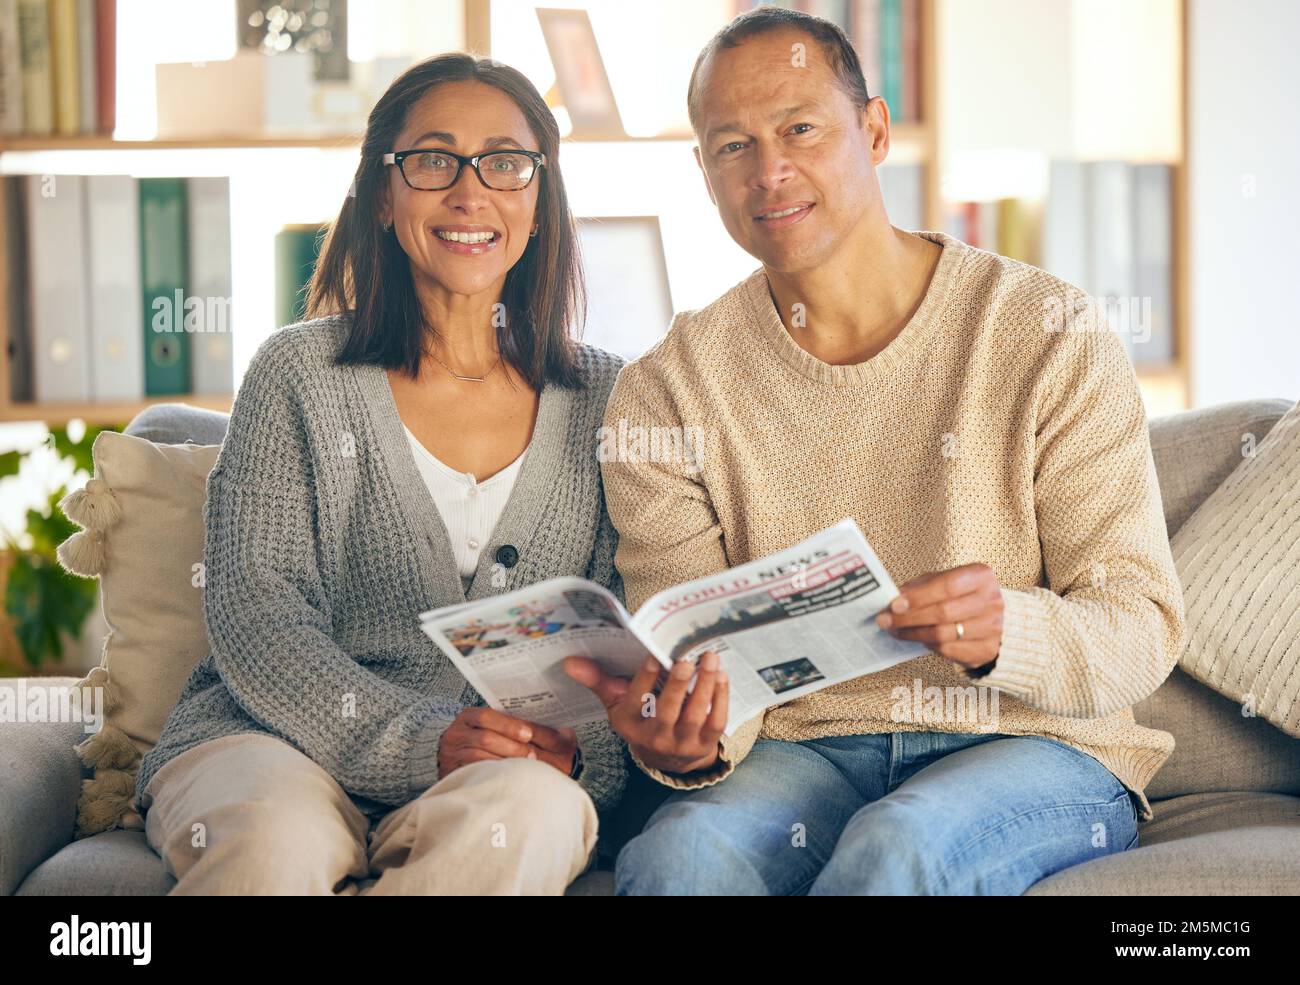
column 143, row 538
column 1238, row 558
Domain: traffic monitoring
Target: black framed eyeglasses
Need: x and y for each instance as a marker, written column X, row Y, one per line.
column 500, row 170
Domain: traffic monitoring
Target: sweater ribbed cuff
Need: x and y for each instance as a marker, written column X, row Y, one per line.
column 722, row 769
column 422, row 768
column 1022, row 663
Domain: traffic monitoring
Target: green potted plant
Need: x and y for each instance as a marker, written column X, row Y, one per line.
column 44, row 605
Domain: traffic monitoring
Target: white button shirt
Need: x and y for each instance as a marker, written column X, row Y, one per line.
column 470, row 509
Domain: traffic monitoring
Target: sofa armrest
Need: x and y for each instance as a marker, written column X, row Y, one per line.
column 40, row 782
column 175, row 424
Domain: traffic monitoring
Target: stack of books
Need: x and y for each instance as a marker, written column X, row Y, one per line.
column 58, row 67
column 887, row 37
column 1004, row 225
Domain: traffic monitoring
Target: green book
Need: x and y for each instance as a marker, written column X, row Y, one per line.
column 891, row 56
column 297, row 248
column 163, row 275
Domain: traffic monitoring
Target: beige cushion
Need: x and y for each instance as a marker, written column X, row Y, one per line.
column 152, row 585
column 1195, row 450
column 1238, row 558
column 148, row 556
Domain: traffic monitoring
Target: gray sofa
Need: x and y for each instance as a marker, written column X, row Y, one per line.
column 1227, row 804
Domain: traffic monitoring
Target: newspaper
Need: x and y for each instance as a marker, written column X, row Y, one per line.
column 784, row 626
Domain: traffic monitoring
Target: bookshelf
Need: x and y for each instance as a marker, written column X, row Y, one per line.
column 1056, row 109
column 919, row 142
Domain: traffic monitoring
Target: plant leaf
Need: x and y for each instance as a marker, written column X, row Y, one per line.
column 42, row 600
column 9, row 463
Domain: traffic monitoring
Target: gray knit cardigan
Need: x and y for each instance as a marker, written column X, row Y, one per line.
column 323, row 545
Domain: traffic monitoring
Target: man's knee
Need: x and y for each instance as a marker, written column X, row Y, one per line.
column 687, row 849
column 515, row 826
column 887, row 849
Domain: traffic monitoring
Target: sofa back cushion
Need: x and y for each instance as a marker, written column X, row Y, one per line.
column 1217, row 748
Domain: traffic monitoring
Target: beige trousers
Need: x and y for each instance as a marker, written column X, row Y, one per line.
column 251, row 815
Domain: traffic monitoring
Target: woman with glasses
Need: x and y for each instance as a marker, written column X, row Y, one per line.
column 428, row 437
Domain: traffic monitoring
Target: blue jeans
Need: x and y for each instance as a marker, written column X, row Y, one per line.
column 901, row 813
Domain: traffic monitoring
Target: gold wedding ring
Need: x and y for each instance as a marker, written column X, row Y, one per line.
column 961, row 630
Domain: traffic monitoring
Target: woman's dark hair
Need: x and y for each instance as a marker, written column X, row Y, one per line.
column 839, row 51
column 364, row 270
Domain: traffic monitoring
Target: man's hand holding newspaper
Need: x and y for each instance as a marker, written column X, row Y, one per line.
column 682, row 734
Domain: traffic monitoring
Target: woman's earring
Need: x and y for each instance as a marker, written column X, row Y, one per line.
column 533, row 233
column 388, row 227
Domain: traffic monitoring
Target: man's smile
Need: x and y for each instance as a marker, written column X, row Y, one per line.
column 785, row 214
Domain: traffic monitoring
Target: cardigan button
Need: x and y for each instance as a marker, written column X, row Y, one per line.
column 507, row 555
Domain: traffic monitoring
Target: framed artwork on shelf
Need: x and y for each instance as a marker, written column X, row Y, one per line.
column 580, row 75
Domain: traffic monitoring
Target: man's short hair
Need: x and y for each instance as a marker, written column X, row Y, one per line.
column 832, row 40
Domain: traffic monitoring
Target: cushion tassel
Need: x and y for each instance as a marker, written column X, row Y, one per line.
column 94, row 506
column 83, row 553
column 104, row 801
column 99, row 677
column 109, row 748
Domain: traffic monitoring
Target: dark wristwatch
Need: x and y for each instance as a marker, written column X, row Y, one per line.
column 577, row 763
column 982, row 669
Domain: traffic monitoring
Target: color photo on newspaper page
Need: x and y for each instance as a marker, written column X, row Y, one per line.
column 511, row 648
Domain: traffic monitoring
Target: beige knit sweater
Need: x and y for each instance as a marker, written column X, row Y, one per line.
column 984, row 432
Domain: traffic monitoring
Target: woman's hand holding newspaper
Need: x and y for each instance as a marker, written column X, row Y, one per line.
column 673, row 730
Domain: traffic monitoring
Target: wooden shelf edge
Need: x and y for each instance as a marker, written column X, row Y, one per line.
column 114, row 412
column 212, row 142
column 912, row 134
column 1160, row 372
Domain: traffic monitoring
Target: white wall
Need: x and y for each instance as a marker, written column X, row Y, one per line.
column 1244, row 160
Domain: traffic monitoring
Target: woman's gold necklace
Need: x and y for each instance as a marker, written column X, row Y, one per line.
column 468, row 379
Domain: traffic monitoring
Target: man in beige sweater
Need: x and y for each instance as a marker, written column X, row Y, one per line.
column 986, row 433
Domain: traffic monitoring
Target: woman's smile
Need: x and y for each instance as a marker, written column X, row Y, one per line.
column 467, row 240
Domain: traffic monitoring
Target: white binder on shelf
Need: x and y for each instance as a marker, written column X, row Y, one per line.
column 1110, row 239
column 1065, row 225
column 113, row 246
column 58, row 277
column 1154, row 257
column 211, row 347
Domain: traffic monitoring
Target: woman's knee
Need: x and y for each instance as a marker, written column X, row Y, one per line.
column 253, row 816
column 262, row 847
column 885, row 848
column 527, row 790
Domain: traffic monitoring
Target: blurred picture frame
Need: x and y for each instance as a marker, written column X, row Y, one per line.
column 580, row 74
column 629, row 303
